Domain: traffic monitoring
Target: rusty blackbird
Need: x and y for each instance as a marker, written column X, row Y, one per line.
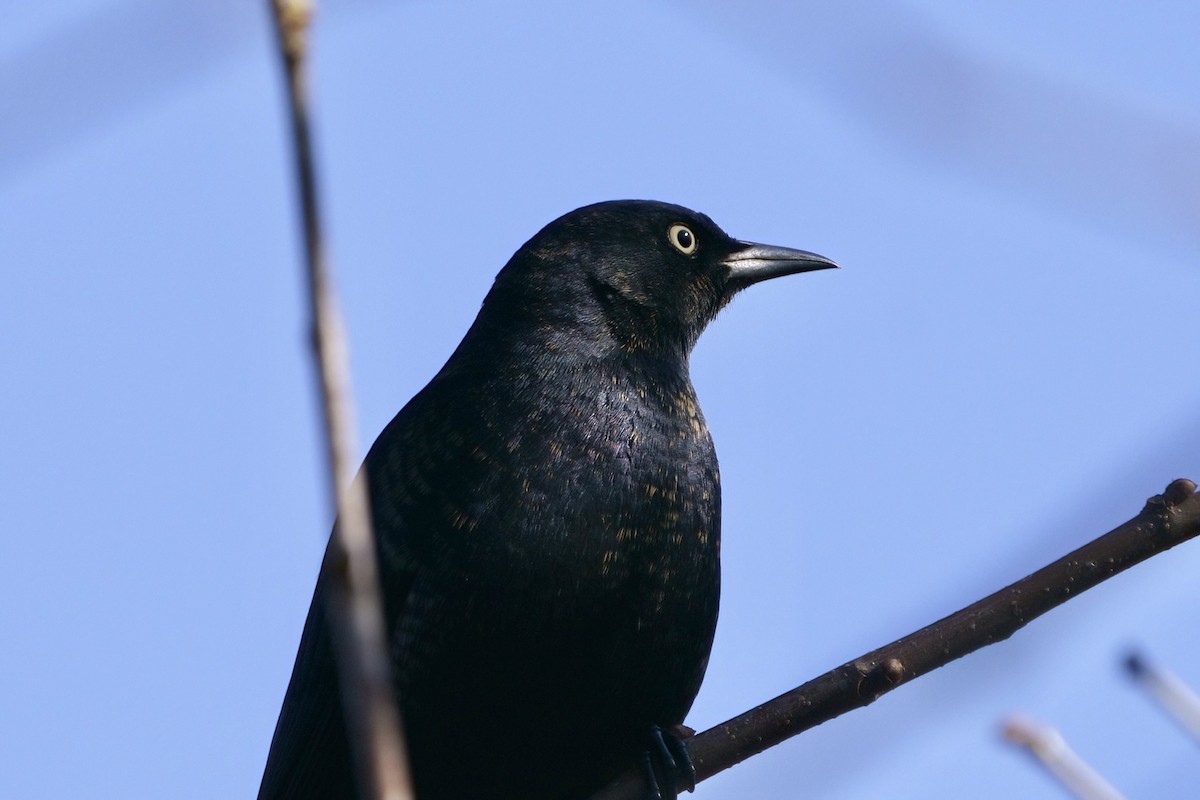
column 548, row 518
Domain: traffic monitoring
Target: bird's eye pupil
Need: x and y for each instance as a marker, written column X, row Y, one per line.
column 684, row 237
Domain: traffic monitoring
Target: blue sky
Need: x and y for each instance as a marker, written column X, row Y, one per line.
column 1003, row 368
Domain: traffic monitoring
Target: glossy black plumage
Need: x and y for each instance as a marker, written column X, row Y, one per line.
column 548, row 519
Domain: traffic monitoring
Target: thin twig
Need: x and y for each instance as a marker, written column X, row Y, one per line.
column 354, row 602
column 1167, row 520
column 1048, row 748
column 1173, row 695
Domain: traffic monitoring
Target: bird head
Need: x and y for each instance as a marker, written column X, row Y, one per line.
column 637, row 275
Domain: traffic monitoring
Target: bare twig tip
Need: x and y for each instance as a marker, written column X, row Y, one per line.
column 293, row 17
column 1134, row 664
column 1024, row 732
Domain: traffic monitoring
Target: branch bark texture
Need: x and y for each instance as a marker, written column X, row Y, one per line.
column 1167, row 520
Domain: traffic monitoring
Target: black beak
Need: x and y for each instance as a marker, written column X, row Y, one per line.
column 752, row 263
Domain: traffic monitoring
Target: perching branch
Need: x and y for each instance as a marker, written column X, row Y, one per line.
column 1167, row 520
column 354, row 602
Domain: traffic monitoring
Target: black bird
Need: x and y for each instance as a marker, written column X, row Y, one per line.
column 548, row 519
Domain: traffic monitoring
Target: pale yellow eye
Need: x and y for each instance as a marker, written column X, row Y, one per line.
column 682, row 237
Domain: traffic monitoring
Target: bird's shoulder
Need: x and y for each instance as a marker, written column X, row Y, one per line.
column 477, row 446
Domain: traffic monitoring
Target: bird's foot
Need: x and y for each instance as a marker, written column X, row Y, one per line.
column 667, row 765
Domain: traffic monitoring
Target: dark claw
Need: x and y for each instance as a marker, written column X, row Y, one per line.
column 683, row 760
column 662, row 749
column 651, row 780
column 674, row 765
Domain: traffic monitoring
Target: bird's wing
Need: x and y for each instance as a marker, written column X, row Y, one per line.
column 309, row 749
column 310, row 756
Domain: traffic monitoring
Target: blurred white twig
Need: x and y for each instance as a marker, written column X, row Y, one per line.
column 1049, row 749
column 1172, row 694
